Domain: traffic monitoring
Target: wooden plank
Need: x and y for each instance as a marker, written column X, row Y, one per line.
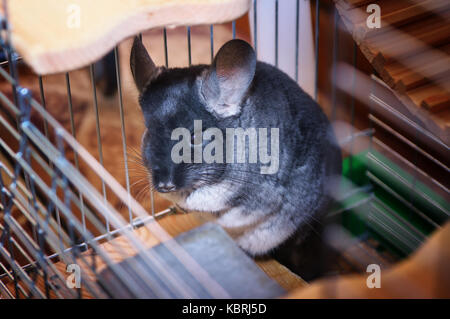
column 436, row 102
column 393, row 13
column 412, row 59
column 405, row 78
column 431, row 96
column 78, row 33
column 438, row 123
column 395, row 46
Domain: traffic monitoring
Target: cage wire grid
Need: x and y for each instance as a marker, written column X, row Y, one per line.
column 69, row 216
column 54, row 224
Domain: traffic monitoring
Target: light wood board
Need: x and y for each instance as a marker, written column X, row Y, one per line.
column 410, row 52
column 61, row 35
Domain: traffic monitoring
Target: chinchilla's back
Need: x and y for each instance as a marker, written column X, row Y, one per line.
column 309, row 153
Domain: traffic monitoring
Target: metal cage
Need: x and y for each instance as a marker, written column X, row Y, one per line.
column 52, row 217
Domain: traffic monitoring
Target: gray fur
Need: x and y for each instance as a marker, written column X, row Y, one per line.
column 259, row 211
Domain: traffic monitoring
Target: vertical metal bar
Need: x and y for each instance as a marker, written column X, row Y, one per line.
column 371, row 91
column 297, row 33
column 317, row 49
column 9, row 54
column 352, row 109
column 166, row 55
column 41, row 90
column 7, row 206
column 42, row 93
column 276, row 33
column 99, row 139
column 72, row 126
column 189, row 45
column 335, row 58
column 124, row 139
column 5, row 236
column 233, row 27
column 152, row 203
column 255, row 26
column 72, row 122
column 211, row 34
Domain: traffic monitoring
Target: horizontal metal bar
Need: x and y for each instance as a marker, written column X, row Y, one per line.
column 351, row 207
column 419, row 237
column 44, row 264
column 6, row 62
column 365, row 133
column 375, row 218
column 5, row 291
column 408, row 163
column 377, row 181
column 22, row 274
column 137, row 222
column 191, row 265
column 406, row 120
column 8, row 77
column 408, row 185
column 407, row 141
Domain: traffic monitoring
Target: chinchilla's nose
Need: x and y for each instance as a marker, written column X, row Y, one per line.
column 165, row 187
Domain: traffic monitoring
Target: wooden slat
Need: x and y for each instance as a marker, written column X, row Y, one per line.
column 436, row 102
column 403, row 78
column 393, row 13
column 431, row 96
column 396, row 46
column 413, row 57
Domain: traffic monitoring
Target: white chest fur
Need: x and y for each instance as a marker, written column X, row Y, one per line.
column 212, row 198
column 251, row 231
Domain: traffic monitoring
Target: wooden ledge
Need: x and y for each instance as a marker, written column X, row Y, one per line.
column 60, row 35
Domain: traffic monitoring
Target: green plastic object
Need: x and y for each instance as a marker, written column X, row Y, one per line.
column 380, row 199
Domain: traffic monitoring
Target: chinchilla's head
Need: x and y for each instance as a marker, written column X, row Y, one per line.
column 173, row 101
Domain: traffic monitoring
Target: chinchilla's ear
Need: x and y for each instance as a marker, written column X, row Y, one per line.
column 142, row 66
column 229, row 77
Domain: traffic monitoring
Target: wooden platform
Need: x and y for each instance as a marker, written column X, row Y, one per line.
column 61, row 35
column 410, row 52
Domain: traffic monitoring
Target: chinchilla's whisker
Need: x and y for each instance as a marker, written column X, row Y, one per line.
column 137, row 183
column 132, row 160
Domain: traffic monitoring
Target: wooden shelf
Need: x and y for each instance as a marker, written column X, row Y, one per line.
column 410, row 52
column 47, row 35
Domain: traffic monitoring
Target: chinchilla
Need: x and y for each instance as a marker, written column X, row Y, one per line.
column 260, row 203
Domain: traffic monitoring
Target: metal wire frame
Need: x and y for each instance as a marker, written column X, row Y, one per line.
column 68, row 244
column 65, row 175
column 72, row 175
